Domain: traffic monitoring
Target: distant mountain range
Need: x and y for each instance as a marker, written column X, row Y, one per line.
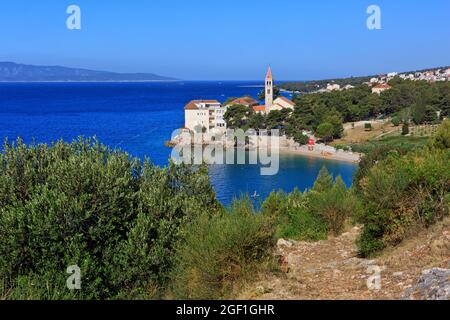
column 14, row 72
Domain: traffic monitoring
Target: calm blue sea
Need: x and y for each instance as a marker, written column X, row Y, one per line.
column 139, row 118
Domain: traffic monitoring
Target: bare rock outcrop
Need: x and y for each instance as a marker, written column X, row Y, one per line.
column 434, row 284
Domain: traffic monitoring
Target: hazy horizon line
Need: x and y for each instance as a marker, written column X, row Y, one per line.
column 177, row 79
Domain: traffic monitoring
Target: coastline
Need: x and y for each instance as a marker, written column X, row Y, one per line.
column 339, row 156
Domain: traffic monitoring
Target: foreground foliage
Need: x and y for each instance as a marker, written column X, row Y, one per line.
column 314, row 214
column 403, row 193
column 83, row 204
column 221, row 252
column 138, row 231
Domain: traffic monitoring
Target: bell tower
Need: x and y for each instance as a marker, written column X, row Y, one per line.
column 269, row 91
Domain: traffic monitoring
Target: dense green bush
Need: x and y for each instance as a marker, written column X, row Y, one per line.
column 221, row 252
column 333, row 202
column 402, row 194
column 367, row 162
column 301, row 225
column 442, row 138
column 380, row 151
column 84, row 204
column 335, row 206
column 396, row 121
column 404, row 184
column 312, row 215
column 293, row 217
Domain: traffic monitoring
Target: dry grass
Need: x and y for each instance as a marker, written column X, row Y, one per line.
column 359, row 134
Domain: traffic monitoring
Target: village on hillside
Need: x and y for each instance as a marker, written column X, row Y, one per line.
column 380, row 83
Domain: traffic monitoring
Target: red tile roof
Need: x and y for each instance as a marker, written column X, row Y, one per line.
column 259, row 108
column 191, row 106
column 246, row 101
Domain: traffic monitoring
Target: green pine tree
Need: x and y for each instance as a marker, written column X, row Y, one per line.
column 324, row 181
column 339, row 187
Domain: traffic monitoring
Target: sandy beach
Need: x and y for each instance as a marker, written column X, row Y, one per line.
column 318, row 153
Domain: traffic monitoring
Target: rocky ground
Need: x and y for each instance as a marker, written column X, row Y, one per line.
column 331, row 270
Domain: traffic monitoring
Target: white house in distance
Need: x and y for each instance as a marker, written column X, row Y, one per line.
column 333, row 87
column 205, row 115
column 381, row 88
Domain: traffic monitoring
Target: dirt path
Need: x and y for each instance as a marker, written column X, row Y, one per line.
column 331, row 269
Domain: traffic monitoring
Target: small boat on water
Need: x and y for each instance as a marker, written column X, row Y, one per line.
column 255, row 195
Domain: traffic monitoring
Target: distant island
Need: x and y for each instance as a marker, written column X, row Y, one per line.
column 14, row 72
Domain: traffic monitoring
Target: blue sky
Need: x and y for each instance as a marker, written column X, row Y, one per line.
column 229, row 40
